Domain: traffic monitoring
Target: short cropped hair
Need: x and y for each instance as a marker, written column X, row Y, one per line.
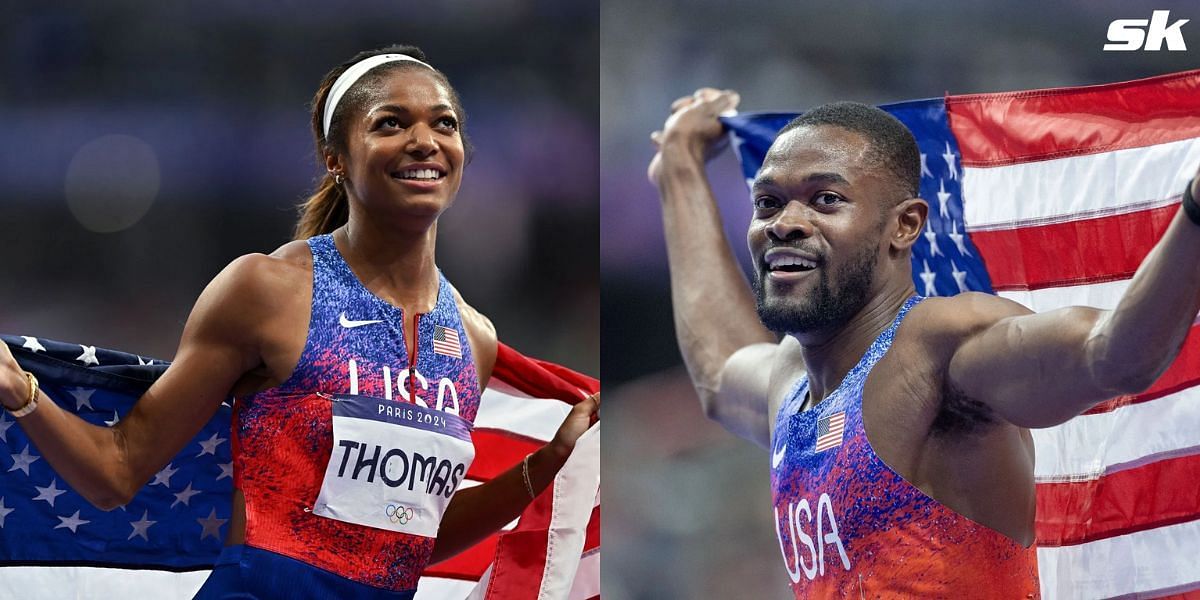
column 892, row 145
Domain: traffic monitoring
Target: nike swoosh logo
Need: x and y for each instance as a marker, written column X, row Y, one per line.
column 777, row 457
column 347, row 323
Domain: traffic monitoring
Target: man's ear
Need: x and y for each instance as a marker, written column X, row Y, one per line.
column 909, row 217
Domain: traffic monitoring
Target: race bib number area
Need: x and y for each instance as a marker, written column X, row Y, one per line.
column 394, row 465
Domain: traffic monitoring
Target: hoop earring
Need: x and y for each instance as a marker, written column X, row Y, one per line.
column 337, row 178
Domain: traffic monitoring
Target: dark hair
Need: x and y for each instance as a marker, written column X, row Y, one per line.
column 892, row 144
column 326, row 208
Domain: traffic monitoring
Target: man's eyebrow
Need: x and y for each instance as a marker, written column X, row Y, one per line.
column 820, row 178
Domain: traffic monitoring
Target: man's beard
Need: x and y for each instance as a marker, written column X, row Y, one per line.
column 824, row 307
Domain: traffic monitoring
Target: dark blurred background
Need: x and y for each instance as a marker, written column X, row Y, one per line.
column 688, row 511
column 147, row 144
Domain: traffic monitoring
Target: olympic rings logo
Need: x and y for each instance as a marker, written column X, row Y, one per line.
column 399, row 514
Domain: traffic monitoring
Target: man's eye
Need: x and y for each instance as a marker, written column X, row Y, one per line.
column 766, row 203
column 826, row 199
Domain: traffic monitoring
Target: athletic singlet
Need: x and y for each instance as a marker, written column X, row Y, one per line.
column 347, row 464
column 851, row 527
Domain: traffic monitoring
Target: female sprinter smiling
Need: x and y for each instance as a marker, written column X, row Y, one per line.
column 356, row 366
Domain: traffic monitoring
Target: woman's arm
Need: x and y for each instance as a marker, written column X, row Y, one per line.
column 475, row 513
column 108, row 465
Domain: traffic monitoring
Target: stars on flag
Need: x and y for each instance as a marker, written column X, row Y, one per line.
column 50, row 492
column 141, row 526
column 163, row 477
column 226, row 470
column 931, row 237
column 116, row 419
column 72, row 522
column 943, row 200
column 960, row 277
column 958, row 239
column 209, row 446
column 944, row 264
column 5, row 423
column 89, row 355
column 184, row 496
column 929, row 278
column 212, row 525
column 33, row 344
column 83, row 397
column 4, row 510
column 949, row 156
column 23, row 460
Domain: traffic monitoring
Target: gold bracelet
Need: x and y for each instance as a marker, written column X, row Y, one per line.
column 525, row 472
column 31, row 401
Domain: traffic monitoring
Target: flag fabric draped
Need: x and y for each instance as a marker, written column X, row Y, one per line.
column 1053, row 198
column 55, row 544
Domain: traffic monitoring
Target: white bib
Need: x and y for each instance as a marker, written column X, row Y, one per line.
column 394, row 464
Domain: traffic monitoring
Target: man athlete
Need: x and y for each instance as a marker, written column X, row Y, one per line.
column 898, row 426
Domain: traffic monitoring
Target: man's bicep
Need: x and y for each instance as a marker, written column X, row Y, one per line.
column 740, row 402
column 1033, row 369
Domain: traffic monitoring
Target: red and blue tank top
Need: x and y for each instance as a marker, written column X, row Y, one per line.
column 348, row 465
column 851, row 527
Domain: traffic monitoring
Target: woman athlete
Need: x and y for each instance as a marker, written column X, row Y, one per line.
column 356, row 367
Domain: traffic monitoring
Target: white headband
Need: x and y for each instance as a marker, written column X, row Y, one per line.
column 352, row 75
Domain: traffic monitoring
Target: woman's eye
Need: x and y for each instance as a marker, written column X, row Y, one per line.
column 389, row 122
column 448, row 122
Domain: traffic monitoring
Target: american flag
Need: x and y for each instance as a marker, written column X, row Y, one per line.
column 184, row 507
column 829, row 430
column 1053, row 198
column 445, row 342
column 54, row 544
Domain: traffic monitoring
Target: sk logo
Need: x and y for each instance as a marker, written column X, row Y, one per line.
column 1128, row 34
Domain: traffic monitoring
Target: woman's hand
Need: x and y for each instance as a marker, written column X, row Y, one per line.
column 479, row 511
column 581, row 417
column 14, row 386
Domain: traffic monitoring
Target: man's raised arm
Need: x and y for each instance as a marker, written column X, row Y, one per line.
column 1038, row 370
column 727, row 350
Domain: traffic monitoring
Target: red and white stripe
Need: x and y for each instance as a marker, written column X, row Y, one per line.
column 553, row 550
column 1065, row 192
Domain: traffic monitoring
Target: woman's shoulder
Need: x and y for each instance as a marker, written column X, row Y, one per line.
column 476, row 322
column 257, row 274
column 248, row 295
column 482, row 335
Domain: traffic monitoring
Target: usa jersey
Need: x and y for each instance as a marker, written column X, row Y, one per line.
column 851, row 527
column 347, row 465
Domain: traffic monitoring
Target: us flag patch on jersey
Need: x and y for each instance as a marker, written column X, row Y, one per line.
column 445, row 342
column 829, row 430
